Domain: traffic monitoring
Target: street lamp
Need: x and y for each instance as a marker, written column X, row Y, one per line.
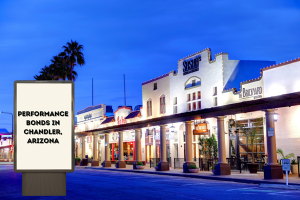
column 12, row 125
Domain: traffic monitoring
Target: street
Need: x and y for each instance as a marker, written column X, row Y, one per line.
column 103, row 184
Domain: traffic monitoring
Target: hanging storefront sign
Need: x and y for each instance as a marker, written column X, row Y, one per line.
column 89, row 139
column 200, row 129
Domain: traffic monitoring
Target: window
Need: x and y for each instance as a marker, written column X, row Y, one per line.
column 188, row 97
column 162, row 104
column 189, row 107
column 175, row 110
column 215, row 101
column 194, row 106
column 215, row 92
column 175, row 100
column 199, row 94
column 199, row 104
column 194, row 96
column 149, row 108
column 193, row 82
column 155, row 86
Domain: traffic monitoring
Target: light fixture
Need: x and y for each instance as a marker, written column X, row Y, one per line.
column 172, row 128
column 275, row 117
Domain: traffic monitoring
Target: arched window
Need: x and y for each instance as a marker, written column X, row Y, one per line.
column 162, row 101
column 194, row 81
column 149, row 108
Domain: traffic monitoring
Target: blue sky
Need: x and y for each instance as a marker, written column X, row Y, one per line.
column 143, row 39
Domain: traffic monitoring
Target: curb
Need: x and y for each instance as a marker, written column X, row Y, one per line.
column 200, row 177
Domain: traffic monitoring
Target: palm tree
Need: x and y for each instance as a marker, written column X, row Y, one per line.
column 73, row 53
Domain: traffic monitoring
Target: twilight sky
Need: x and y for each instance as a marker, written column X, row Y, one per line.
column 143, row 39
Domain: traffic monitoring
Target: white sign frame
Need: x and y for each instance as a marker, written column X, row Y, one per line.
column 67, row 124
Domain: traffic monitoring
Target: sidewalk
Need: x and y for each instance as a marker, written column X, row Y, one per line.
column 236, row 176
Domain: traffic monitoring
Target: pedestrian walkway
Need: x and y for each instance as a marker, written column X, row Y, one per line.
column 236, row 176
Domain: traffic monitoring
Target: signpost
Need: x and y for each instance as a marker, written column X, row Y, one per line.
column 44, row 135
column 286, row 167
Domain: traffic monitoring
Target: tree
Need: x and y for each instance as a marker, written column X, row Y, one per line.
column 73, row 53
column 209, row 146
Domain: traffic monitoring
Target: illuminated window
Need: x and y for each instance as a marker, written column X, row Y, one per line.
column 199, row 94
column 162, row 104
column 215, row 92
column 194, row 96
column 149, row 108
column 199, row 104
column 215, row 103
column 189, row 107
column 188, row 97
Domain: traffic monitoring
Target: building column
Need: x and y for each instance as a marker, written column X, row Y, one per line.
column 163, row 165
column 188, row 146
column 272, row 170
column 121, row 163
column 222, row 168
column 76, row 147
column 83, row 148
column 95, row 161
column 107, row 162
column 137, row 147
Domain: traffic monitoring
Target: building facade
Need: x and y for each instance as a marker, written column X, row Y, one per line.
column 200, row 83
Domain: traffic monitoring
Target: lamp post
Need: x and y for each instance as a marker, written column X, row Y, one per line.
column 12, row 125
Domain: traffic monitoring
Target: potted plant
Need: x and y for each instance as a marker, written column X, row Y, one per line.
column 251, row 134
column 193, row 169
column 77, row 161
column 294, row 166
column 140, row 165
column 213, row 167
column 291, row 155
column 156, row 167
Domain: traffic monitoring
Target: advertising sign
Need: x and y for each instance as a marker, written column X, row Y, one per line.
column 200, row 129
column 44, row 126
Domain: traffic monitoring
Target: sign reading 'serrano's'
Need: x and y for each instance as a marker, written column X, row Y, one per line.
column 44, row 126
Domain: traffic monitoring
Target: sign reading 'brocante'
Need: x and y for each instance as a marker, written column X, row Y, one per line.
column 44, row 126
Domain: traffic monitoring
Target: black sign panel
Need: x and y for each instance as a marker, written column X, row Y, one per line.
column 192, row 65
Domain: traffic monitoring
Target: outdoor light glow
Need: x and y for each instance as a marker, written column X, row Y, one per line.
column 275, row 117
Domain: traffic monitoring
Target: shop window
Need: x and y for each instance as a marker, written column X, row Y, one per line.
column 188, row 97
column 155, row 86
column 149, row 108
column 199, row 104
column 194, row 96
column 194, row 106
column 199, row 94
column 162, row 104
column 215, row 91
